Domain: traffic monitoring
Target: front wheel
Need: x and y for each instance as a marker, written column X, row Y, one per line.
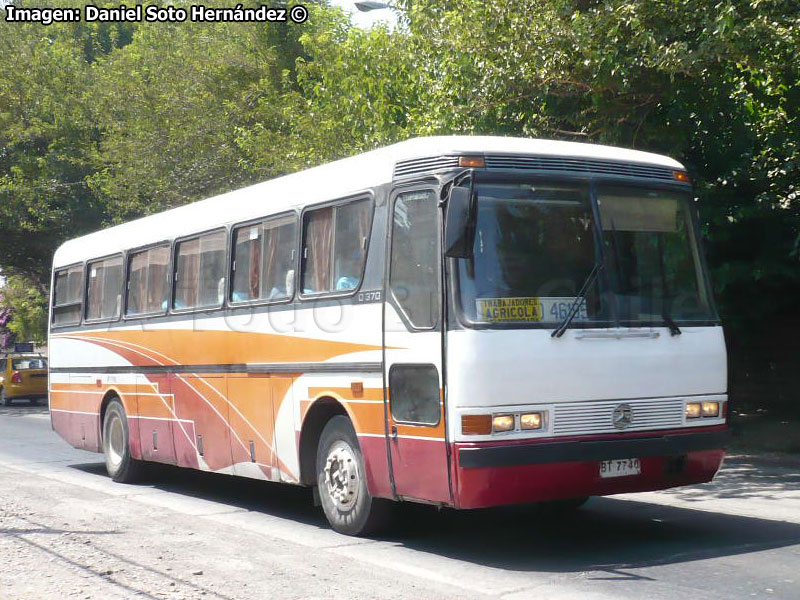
column 121, row 466
column 342, row 483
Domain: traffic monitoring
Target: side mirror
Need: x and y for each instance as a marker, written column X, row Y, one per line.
column 459, row 225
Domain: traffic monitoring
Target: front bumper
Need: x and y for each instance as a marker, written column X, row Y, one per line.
column 494, row 474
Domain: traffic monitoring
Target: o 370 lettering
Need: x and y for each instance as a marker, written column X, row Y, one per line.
column 370, row 296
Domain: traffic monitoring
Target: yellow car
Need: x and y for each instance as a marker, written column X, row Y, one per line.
column 23, row 377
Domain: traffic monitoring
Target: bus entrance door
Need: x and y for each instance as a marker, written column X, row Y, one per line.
column 413, row 350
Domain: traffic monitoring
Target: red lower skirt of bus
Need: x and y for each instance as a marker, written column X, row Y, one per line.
column 493, row 474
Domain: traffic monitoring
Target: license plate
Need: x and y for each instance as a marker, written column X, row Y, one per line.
column 620, row 468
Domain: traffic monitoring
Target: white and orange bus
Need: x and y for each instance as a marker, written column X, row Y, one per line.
column 462, row 321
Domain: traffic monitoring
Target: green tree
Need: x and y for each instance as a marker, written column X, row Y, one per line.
column 170, row 104
column 24, row 303
column 47, row 139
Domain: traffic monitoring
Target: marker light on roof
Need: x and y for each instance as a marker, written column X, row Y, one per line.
column 471, row 161
column 682, row 176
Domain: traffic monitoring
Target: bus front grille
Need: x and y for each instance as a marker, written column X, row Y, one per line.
column 580, row 418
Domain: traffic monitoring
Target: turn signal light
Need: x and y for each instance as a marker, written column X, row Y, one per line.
column 710, row 409
column 693, row 410
column 476, row 424
column 681, row 176
column 503, row 423
column 531, row 421
column 16, row 377
column 471, row 161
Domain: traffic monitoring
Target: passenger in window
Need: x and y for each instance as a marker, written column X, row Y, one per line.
column 350, row 244
column 346, row 283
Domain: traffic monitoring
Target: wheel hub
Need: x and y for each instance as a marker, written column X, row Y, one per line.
column 342, row 478
column 115, row 440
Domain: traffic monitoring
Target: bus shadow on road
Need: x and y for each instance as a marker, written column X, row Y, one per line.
column 607, row 535
column 277, row 499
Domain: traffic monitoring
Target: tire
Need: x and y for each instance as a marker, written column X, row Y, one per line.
column 116, row 445
column 5, row 400
column 342, row 483
column 35, row 401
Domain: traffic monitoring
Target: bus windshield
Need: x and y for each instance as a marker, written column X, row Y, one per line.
column 537, row 243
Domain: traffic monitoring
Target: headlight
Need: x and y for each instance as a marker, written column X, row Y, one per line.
column 503, row 423
column 693, row 410
column 710, row 409
column 531, row 421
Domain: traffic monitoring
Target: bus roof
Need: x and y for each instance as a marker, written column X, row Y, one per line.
column 333, row 180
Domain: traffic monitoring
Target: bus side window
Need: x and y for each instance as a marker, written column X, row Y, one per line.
column 414, row 276
column 279, row 251
column 263, row 256
column 148, row 282
column 414, row 394
column 317, row 243
column 67, row 296
column 247, row 243
column 335, row 247
column 200, row 276
column 104, row 294
column 350, row 244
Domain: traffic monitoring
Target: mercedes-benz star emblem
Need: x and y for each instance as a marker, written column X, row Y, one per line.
column 622, row 416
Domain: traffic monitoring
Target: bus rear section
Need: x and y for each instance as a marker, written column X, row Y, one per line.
column 583, row 352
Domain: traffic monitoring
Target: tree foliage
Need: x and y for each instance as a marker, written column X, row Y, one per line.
column 47, row 140
column 23, row 311
column 104, row 122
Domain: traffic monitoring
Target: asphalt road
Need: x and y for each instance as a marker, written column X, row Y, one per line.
column 66, row 530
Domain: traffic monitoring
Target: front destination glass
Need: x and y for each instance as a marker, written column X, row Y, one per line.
column 536, row 244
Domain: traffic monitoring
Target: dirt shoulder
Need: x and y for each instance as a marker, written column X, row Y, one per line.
column 60, row 540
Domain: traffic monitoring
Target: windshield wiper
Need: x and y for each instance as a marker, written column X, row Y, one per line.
column 672, row 325
column 576, row 304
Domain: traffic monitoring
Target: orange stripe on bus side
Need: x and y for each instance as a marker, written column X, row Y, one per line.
column 189, row 347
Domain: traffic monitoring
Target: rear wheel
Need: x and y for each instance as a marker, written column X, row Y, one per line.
column 116, row 445
column 5, row 400
column 342, row 483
